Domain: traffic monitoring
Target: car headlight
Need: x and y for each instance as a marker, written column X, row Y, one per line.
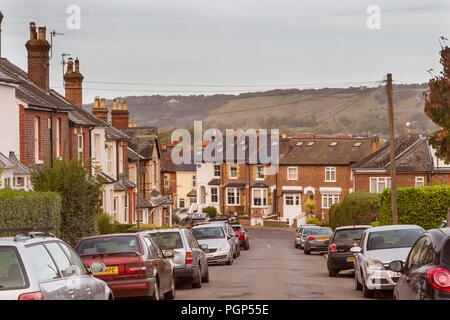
column 224, row 247
column 375, row 264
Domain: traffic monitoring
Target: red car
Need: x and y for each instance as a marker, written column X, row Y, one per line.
column 135, row 265
column 242, row 235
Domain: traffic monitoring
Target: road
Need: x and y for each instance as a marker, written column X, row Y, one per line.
column 273, row 269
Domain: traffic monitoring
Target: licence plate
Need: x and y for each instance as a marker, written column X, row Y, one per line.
column 109, row 270
column 323, row 239
column 351, row 259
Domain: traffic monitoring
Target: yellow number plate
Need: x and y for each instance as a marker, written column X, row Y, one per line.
column 109, row 270
column 322, row 239
column 351, row 259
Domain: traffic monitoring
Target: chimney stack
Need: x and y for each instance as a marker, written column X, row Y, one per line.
column 120, row 115
column 38, row 57
column 73, row 83
column 100, row 110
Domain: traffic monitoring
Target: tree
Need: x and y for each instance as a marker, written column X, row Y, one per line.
column 437, row 107
column 80, row 193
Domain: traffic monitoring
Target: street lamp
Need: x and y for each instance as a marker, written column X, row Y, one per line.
column 138, row 176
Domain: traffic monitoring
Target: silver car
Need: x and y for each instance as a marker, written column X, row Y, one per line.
column 229, row 230
column 189, row 260
column 378, row 247
column 302, row 234
column 217, row 244
column 36, row 266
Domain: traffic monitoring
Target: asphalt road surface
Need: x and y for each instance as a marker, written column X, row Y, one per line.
column 273, row 269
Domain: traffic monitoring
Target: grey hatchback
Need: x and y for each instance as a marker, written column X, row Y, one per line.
column 35, row 265
column 189, row 260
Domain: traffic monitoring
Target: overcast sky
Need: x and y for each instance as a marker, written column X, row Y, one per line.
column 232, row 46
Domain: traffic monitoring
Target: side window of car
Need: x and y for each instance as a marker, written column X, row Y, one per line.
column 189, row 237
column 363, row 238
column 427, row 255
column 75, row 260
column 193, row 241
column 61, row 260
column 414, row 255
column 43, row 263
column 157, row 249
column 150, row 248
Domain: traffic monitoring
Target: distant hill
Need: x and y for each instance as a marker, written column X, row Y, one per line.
column 330, row 110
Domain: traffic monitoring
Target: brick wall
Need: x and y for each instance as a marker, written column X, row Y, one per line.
column 119, row 118
column 362, row 181
column 72, row 137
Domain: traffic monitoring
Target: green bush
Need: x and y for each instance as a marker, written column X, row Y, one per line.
column 105, row 223
column 120, row 228
column 356, row 208
column 80, row 194
column 424, row 206
column 21, row 208
column 313, row 221
column 211, row 211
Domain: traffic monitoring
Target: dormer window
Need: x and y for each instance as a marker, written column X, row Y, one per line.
column 311, row 143
column 334, row 144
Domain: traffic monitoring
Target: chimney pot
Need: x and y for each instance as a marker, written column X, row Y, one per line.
column 70, row 65
column 42, row 33
column 102, row 103
column 33, row 34
column 77, row 65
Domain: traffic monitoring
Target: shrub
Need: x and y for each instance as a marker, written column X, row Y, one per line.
column 313, row 221
column 144, row 227
column 105, row 223
column 120, row 228
column 21, row 208
column 424, row 206
column 80, row 194
column 334, row 215
column 211, row 211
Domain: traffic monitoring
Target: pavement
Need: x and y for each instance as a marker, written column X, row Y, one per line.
column 274, row 269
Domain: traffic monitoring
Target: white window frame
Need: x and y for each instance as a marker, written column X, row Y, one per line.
column 329, row 199
column 192, row 200
column 331, row 171
column 419, row 181
column 166, row 180
column 233, row 167
column 127, row 207
column 260, row 175
column 179, row 203
column 80, row 146
column 215, row 171
column 214, row 195
column 120, row 158
column 290, row 173
column 194, row 180
column 58, row 138
column 264, row 198
column 236, row 196
column 295, row 200
column 109, row 160
column 37, row 139
column 115, row 204
column 379, row 180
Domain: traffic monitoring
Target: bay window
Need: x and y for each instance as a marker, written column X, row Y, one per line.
column 259, row 198
column 233, row 196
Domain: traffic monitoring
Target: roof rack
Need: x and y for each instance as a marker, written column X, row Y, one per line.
column 31, row 231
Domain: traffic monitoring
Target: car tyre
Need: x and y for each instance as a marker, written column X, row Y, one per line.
column 332, row 272
column 205, row 279
column 366, row 292
column 171, row 294
column 197, row 283
column 305, row 251
column 358, row 285
column 247, row 245
column 230, row 261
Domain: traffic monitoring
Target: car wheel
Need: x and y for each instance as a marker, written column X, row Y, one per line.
column 366, row 292
column 205, row 279
column 171, row 294
column 197, row 283
column 358, row 285
column 247, row 245
column 230, row 261
column 306, row 251
column 332, row 272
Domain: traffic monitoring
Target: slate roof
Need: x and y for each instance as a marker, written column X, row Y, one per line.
column 5, row 163
column 132, row 155
column 156, row 199
column 412, row 154
column 214, row 182
column 236, row 184
column 145, row 145
column 143, row 203
column 104, row 178
column 259, row 184
column 6, row 78
column 192, row 193
column 20, row 169
column 123, row 183
column 321, row 152
column 112, row 133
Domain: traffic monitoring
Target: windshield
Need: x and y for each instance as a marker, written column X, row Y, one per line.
column 393, row 239
column 168, row 240
column 108, row 245
column 349, row 234
column 324, row 231
column 11, row 272
column 208, row 233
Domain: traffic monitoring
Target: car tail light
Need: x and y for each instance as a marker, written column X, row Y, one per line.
column 32, row 296
column 439, row 278
column 333, row 247
column 189, row 259
column 311, row 238
column 135, row 268
column 298, row 237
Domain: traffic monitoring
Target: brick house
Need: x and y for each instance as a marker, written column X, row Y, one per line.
column 168, row 175
column 319, row 169
column 416, row 166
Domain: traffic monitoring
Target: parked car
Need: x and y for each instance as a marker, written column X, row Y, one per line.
column 234, row 238
column 216, row 243
column 378, row 247
column 425, row 275
column 300, row 235
column 317, row 239
column 221, row 217
column 135, row 264
column 35, row 265
column 189, row 260
column 196, row 219
column 241, row 233
column 339, row 255
column 444, row 224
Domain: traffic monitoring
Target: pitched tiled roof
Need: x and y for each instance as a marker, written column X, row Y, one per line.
column 214, row 182
column 192, row 193
column 259, row 184
column 326, row 151
column 236, row 184
column 112, row 133
column 132, row 155
column 123, row 184
column 411, row 151
column 104, row 178
column 5, row 163
column 145, row 145
column 143, row 203
column 20, row 168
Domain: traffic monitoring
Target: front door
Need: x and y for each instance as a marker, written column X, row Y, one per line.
column 291, row 205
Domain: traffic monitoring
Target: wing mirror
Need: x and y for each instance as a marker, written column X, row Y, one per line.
column 204, row 247
column 396, row 266
column 168, row 254
column 97, row 267
column 355, row 250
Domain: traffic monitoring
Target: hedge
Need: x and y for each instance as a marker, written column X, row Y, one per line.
column 21, row 208
column 424, row 206
column 356, row 208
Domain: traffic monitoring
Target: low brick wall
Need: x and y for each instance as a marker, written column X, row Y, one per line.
column 274, row 224
column 244, row 222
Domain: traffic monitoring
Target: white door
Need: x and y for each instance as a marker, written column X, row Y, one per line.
column 291, row 206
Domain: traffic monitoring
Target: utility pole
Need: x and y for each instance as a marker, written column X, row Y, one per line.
column 392, row 149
